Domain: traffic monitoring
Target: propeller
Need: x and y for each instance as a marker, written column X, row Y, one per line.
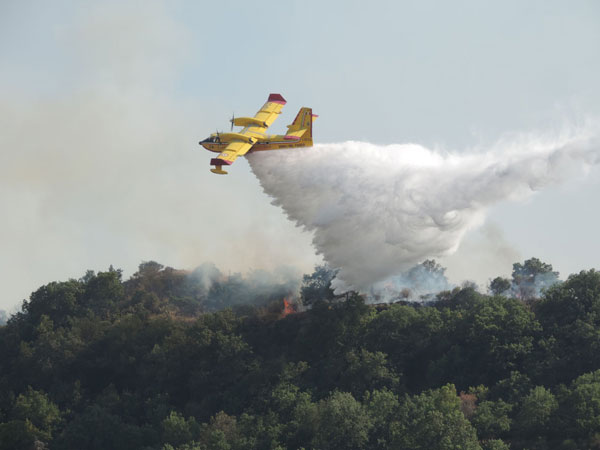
column 232, row 120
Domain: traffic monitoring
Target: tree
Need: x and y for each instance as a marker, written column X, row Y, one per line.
column 367, row 371
column 577, row 299
column 428, row 277
column 513, row 388
column 411, row 338
column 176, row 430
column 285, row 398
column 491, row 419
column 499, row 285
column 491, row 337
column 382, row 407
column 58, row 301
column 535, row 413
column 103, row 293
column 531, row 277
column 580, row 407
column 343, row 423
column 494, row 444
column 97, row 428
column 36, row 407
column 226, row 292
column 433, row 420
column 20, row 435
column 317, row 286
column 570, row 316
column 148, row 269
column 421, row 282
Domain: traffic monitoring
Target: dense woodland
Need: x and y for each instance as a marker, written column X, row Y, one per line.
column 176, row 360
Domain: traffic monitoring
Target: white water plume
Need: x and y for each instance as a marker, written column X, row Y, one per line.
column 376, row 211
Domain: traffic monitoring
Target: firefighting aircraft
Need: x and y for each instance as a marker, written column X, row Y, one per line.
column 252, row 137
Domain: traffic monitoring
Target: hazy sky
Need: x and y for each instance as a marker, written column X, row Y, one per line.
column 102, row 105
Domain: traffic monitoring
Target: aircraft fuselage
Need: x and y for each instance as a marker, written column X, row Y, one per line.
column 275, row 144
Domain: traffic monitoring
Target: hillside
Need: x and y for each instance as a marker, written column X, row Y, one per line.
column 169, row 360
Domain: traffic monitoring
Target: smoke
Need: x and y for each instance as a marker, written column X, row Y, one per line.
column 376, row 211
column 258, row 287
column 485, row 253
column 420, row 283
column 99, row 161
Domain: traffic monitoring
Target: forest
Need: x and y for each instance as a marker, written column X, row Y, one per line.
column 177, row 360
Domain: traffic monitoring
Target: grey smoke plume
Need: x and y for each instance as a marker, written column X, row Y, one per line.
column 420, row 283
column 376, row 211
column 258, row 287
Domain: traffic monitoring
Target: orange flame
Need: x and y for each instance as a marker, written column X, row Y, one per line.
column 288, row 308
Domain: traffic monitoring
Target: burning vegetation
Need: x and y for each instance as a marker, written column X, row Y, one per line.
column 288, row 307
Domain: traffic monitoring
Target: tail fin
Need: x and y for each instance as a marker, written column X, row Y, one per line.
column 302, row 126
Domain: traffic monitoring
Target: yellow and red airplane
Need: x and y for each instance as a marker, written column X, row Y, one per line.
column 252, row 137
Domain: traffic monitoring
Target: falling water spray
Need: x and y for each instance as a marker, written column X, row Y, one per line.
column 376, row 211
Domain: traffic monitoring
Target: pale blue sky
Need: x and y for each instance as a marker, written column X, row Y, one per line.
column 103, row 104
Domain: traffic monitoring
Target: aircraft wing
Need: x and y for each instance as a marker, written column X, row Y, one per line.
column 263, row 118
column 270, row 110
column 233, row 151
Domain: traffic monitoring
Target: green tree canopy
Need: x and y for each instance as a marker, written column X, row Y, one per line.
column 433, row 420
column 499, row 286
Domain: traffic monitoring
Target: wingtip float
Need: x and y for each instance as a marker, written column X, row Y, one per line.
column 252, row 136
